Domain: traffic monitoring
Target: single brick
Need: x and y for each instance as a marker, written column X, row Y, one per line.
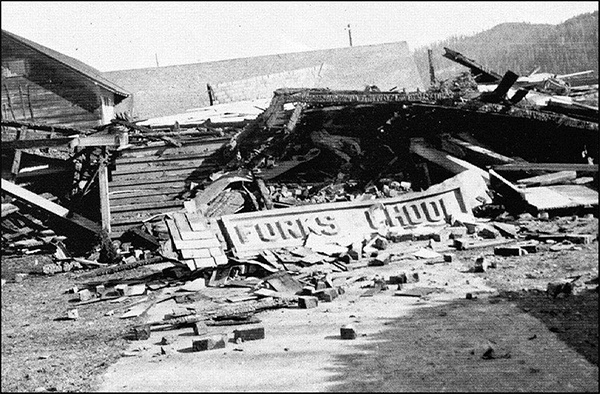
column 529, row 248
column 308, row 302
column 380, row 243
column 580, row 238
column 441, row 236
column 448, row 258
column 480, row 265
column 73, row 314
column 249, row 334
column 326, row 295
column 461, row 244
column 210, row 343
column 200, row 328
column 380, row 260
column 19, row 277
column 488, row 232
column 142, row 332
column 398, row 279
column 84, row 295
column 509, row 251
column 348, row 332
column 307, row 290
column 457, row 232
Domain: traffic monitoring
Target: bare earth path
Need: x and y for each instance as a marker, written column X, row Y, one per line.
column 404, row 344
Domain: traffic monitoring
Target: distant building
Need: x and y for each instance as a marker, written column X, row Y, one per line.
column 162, row 91
column 40, row 85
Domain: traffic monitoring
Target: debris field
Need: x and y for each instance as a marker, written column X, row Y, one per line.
column 321, row 196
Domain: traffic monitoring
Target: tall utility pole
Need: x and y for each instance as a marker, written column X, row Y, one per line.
column 431, row 69
column 156, row 57
column 349, row 34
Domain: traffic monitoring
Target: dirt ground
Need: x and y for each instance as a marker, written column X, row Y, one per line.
column 432, row 343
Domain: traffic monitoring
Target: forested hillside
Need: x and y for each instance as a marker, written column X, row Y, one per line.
column 569, row 47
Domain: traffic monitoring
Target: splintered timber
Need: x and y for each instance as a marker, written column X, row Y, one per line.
column 251, row 232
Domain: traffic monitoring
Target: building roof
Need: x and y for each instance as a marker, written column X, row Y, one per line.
column 162, row 91
column 72, row 63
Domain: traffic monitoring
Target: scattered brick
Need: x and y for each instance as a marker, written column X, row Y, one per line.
column 210, row 343
column 509, row 251
column 142, row 332
column 200, row 328
column 308, row 302
column 380, row 260
column 84, row 295
column 488, row 232
column 348, row 332
column 249, row 334
column 73, row 314
column 398, row 279
column 457, row 232
column 480, row 265
column 326, row 295
column 19, row 277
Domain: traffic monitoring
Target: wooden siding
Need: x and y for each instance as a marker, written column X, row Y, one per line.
column 149, row 180
column 54, row 93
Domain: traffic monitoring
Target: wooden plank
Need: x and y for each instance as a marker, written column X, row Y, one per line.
column 102, row 140
column 162, row 149
column 478, row 151
column 48, row 206
column 196, row 222
column 36, row 143
column 547, row 167
column 161, row 173
column 195, row 253
column 104, row 200
column 173, row 229
column 135, row 198
column 195, row 244
column 146, row 206
column 186, row 230
column 444, row 160
column 160, row 166
column 549, row 179
column 205, row 262
column 147, row 183
column 181, row 222
column 160, row 159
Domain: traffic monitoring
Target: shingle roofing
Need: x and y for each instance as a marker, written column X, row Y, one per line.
column 72, row 63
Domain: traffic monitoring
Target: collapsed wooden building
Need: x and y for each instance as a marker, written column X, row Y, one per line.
column 318, row 145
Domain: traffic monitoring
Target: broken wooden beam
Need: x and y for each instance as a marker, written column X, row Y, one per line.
column 49, row 206
column 453, row 164
column 33, row 126
column 546, row 167
column 37, row 143
column 549, row 179
column 485, row 155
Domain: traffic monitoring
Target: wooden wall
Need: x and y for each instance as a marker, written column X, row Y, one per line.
column 55, row 94
column 150, row 180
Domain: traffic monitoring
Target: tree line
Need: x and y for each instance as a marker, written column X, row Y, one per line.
column 568, row 47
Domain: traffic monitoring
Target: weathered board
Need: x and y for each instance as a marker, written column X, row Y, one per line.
column 249, row 233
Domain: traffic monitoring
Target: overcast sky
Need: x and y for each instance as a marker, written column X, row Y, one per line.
column 123, row 35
